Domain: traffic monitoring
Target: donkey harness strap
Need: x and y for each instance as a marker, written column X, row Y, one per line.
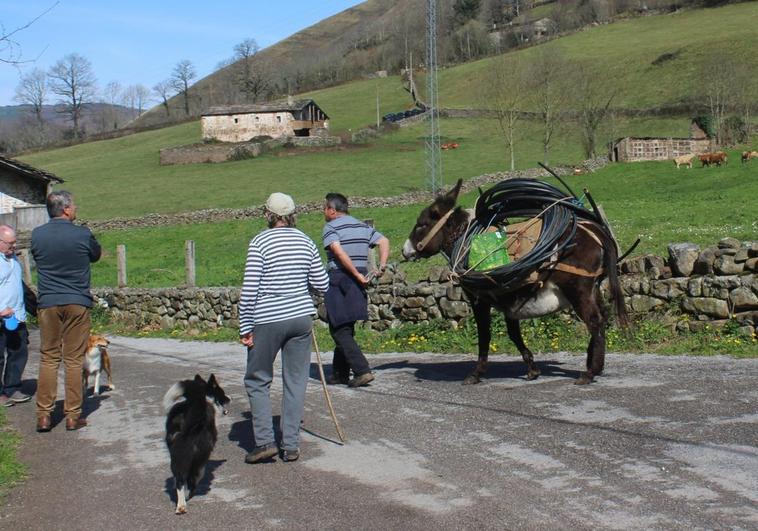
column 432, row 233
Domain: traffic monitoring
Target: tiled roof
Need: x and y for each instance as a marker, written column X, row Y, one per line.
column 30, row 171
column 285, row 106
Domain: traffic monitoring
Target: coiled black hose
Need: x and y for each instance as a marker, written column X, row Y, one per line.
column 520, row 198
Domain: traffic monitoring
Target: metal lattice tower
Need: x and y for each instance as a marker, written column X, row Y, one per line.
column 433, row 159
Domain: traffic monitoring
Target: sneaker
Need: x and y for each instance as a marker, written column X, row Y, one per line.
column 261, row 453
column 290, row 455
column 19, row 398
column 337, row 379
column 361, row 380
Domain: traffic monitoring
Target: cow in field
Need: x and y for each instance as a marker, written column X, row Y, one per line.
column 747, row 155
column 716, row 158
column 684, row 160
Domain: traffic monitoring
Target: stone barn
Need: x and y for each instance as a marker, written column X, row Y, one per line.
column 633, row 149
column 240, row 123
column 23, row 190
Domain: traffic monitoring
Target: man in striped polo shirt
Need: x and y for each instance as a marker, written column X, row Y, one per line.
column 347, row 242
column 276, row 313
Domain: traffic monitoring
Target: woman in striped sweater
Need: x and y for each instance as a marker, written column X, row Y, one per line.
column 276, row 313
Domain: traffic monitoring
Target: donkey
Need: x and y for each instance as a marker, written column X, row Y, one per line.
column 572, row 281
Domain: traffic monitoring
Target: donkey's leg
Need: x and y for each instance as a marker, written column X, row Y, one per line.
column 514, row 332
column 591, row 311
column 483, row 321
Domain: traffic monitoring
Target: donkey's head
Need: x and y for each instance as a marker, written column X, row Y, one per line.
column 428, row 235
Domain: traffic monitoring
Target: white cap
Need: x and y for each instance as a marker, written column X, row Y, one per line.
column 280, row 204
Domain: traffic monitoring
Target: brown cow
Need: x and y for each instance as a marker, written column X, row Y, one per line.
column 747, row 155
column 716, row 158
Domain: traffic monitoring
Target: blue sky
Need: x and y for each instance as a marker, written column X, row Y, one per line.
column 139, row 41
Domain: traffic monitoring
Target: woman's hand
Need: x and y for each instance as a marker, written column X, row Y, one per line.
column 247, row 340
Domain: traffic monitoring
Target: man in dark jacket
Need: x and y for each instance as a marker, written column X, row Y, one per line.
column 347, row 242
column 63, row 253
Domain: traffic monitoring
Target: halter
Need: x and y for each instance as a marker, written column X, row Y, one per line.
column 432, row 233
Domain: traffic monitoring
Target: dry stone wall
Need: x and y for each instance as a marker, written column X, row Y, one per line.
column 704, row 286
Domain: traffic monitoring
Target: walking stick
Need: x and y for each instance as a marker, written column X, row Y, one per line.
column 326, row 392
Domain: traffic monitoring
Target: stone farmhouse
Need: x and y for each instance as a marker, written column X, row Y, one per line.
column 23, row 190
column 633, row 149
column 241, row 123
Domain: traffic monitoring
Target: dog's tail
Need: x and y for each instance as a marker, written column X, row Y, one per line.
column 173, row 395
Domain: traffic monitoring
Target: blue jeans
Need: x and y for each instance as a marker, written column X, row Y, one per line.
column 293, row 338
column 14, row 353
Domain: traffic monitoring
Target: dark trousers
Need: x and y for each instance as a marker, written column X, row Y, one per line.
column 13, row 356
column 347, row 353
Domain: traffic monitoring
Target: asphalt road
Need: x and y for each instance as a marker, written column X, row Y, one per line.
column 656, row 443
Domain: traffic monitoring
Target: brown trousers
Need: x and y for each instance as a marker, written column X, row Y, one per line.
column 64, row 332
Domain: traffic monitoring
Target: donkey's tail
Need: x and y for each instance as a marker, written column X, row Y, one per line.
column 610, row 264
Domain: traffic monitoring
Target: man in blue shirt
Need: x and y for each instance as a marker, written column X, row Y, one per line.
column 347, row 242
column 14, row 337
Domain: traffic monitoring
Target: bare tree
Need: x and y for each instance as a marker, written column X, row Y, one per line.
column 163, row 90
column 142, row 96
column 183, row 74
column 72, row 79
column 718, row 73
column 505, row 94
column 32, row 91
column 10, row 50
column 254, row 78
column 547, row 74
column 592, row 97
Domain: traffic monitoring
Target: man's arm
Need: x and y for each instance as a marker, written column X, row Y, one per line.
column 94, row 249
column 344, row 260
column 384, row 254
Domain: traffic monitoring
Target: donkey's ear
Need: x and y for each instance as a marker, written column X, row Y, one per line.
column 452, row 195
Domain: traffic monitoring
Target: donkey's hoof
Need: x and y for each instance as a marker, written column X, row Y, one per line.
column 584, row 379
column 533, row 375
column 471, row 379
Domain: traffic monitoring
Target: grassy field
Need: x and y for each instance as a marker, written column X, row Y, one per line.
column 122, row 177
column 650, row 200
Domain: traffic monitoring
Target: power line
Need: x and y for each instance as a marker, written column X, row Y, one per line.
column 433, row 158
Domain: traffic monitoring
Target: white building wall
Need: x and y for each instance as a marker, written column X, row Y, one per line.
column 243, row 127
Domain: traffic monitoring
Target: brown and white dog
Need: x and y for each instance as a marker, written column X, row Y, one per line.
column 96, row 361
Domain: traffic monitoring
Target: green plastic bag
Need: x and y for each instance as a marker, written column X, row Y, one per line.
column 488, row 251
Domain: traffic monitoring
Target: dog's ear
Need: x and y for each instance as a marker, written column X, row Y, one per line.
column 212, row 379
column 199, row 379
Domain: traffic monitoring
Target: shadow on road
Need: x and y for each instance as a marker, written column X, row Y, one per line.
column 456, row 371
column 203, row 487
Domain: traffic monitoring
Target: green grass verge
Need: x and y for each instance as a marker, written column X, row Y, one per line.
column 11, row 470
column 550, row 334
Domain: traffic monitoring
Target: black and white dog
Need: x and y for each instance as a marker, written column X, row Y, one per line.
column 191, row 431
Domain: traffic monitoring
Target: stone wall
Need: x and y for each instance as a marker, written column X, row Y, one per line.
column 707, row 286
column 639, row 149
column 224, row 151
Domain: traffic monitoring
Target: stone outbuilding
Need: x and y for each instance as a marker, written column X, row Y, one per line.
column 23, row 190
column 633, row 149
column 240, row 123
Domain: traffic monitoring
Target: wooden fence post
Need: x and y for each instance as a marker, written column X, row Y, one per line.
column 189, row 262
column 121, row 263
column 371, row 266
column 26, row 266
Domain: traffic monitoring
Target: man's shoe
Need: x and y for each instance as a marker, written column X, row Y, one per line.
column 261, row 453
column 19, row 398
column 291, row 455
column 44, row 424
column 363, row 379
column 337, row 379
column 75, row 424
